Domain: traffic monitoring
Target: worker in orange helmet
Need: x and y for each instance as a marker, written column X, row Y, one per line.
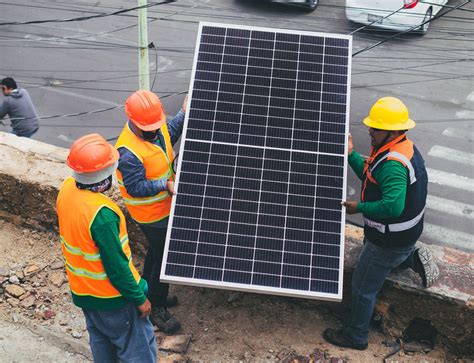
column 98, row 261
column 146, row 181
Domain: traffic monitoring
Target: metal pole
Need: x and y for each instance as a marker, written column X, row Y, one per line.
column 143, row 62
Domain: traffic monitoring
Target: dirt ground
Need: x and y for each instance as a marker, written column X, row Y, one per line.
column 223, row 326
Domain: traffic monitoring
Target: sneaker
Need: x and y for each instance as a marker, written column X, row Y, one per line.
column 336, row 337
column 171, row 301
column 161, row 318
column 425, row 266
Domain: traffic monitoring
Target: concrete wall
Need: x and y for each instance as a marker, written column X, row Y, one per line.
column 31, row 173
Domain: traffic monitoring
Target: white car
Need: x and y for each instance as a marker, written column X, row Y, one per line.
column 397, row 15
column 309, row 4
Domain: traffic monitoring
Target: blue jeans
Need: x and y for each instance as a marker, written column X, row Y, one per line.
column 120, row 334
column 375, row 263
column 28, row 134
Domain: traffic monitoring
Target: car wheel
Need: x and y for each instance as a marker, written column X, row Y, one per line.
column 312, row 4
column 423, row 29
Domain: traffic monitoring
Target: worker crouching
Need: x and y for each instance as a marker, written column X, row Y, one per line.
column 98, row 260
column 393, row 200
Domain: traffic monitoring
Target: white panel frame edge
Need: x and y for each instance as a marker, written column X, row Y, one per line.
column 259, row 288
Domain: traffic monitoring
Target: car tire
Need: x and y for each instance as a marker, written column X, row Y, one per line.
column 423, row 29
column 312, row 4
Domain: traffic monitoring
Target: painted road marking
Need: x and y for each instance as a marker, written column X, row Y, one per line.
column 470, row 97
column 448, row 236
column 65, row 138
column 450, row 206
column 465, row 114
column 459, row 134
column 450, row 180
column 452, row 155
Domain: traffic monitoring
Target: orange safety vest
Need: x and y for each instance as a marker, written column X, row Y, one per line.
column 400, row 149
column 77, row 209
column 158, row 165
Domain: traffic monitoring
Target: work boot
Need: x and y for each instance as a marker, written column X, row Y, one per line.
column 171, row 301
column 425, row 266
column 161, row 318
column 337, row 337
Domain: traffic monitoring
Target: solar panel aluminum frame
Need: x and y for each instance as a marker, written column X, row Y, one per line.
column 258, row 288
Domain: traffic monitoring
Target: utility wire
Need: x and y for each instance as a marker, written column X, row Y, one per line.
column 410, row 29
column 225, row 8
column 87, row 112
column 82, row 18
column 353, row 123
column 390, row 70
column 94, row 80
column 413, row 82
column 199, row 4
column 103, row 110
column 52, row 39
column 375, row 21
column 447, row 6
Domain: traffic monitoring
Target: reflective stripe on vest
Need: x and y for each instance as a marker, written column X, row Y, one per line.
column 157, row 166
column 77, row 251
column 400, row 157
column 146, row 201
column 395, row 227
column 77, row 210
column 88, row 256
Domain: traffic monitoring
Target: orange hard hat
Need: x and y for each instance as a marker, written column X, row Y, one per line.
column 91, row 153
column 145, row 110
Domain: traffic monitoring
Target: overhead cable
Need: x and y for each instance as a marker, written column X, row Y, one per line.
column 82, row 18
column 87, row 112
column 410, row 29
column 376, row 21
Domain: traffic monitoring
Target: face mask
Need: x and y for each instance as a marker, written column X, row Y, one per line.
column 150, row 135
column 99, row 187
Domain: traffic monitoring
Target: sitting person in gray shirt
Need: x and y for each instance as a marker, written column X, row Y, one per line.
column 18, row 106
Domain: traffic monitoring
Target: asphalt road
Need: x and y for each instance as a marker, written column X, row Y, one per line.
column 91, row 65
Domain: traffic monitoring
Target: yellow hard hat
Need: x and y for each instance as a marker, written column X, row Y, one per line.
column 389, row 113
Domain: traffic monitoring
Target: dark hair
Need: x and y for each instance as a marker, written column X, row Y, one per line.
column 9, row 83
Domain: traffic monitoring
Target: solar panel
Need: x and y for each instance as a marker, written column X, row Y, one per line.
column 262, row 170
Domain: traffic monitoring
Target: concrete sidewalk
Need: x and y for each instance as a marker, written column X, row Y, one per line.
column 21, row 344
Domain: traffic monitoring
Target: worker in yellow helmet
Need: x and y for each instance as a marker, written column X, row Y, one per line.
column 98, row 260
column 393, row 200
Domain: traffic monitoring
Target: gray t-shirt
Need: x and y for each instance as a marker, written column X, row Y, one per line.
column 22, row 112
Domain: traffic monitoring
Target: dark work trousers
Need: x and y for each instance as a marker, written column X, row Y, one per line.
column 374, row 265
column 157, row 291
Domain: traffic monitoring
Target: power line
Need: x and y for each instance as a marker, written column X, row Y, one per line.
column 412, row 82
column 389, row 70
column 353, row 123
column 87, row 112
column 408, row 30
column 169, row 15
column 76, row 81
column 200, row 4
column 375, row 21
column 447, row 6
column 82, row 18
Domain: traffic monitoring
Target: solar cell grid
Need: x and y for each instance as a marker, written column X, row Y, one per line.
column 262, row 169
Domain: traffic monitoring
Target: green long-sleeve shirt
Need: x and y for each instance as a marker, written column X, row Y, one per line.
column 392, row 178
column 105, row 232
